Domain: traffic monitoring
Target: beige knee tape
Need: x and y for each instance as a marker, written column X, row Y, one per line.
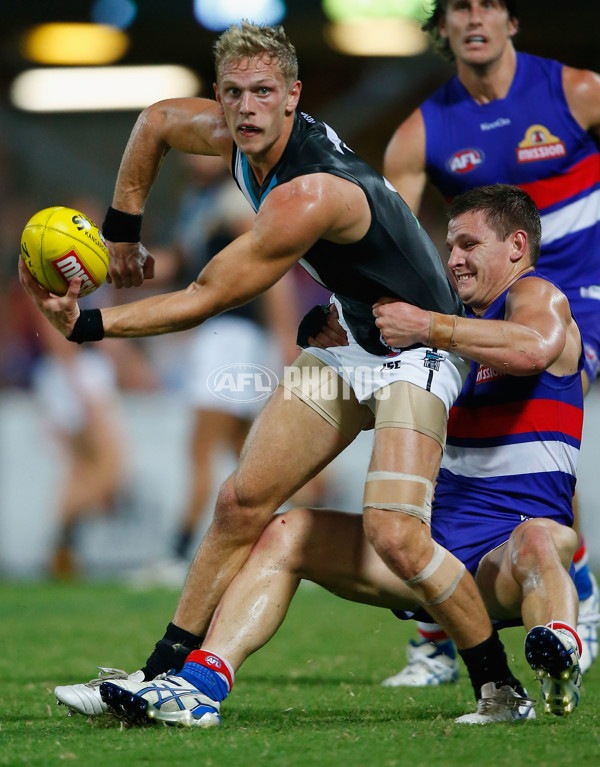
column 437, row 581
column 395, row 491
column 410, row 407
column 325, row 391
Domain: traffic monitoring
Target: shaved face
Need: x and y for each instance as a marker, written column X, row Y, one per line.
column 256, row 101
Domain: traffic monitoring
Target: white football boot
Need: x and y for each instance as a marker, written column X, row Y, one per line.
column 587, row 626
column 85, row 698
column 429, row 664
column 169, row 698
column 499, row 705
column 553, row 653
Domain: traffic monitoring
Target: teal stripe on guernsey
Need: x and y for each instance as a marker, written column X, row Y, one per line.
column 249, row 186
column 271, row 185
column 247, row 182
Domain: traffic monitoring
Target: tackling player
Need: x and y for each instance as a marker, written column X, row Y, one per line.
column 509, row 117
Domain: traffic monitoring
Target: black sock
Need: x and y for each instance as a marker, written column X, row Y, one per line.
column 487, row 662
column 183, row 541
column 171, row 651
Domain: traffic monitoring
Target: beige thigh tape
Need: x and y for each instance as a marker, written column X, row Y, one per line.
column 438, row 580
column 410, row 407
column 396, row 491
column 325, row 391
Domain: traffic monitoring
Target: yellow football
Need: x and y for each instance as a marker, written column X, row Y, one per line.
column 59, row 244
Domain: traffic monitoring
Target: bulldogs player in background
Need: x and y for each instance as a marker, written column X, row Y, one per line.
column 318, row 203
column 509, row 117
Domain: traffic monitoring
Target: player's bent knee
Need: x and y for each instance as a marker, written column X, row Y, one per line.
column 396, row 491
column 237, row 516
column 438, row 580
column 286, row 535
column 537, row 542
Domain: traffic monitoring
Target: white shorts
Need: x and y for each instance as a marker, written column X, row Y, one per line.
column 228, row 343
column 66, row 389
column 440, row 372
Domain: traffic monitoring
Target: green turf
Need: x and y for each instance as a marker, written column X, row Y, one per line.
column 311, row 697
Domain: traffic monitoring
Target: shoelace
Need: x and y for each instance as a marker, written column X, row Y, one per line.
column 106, row 674
column 504, row 697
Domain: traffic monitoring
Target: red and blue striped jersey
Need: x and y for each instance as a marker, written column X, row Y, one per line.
column 529, row 139
column 513, row 441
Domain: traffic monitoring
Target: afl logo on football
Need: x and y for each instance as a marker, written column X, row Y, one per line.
column 465, row 160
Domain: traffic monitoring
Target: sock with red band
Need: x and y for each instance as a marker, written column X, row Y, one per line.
column 209, row 673
column 582, row 578
column 432, row 632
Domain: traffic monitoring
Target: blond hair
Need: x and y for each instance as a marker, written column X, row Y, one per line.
column 246, row 40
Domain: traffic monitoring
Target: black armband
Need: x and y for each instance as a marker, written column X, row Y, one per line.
column 89, row 327
column 122, row 227
column 311, row 324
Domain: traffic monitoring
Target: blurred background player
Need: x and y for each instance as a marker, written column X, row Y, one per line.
column 212, row 213
column 78, row 391
column 513, row 118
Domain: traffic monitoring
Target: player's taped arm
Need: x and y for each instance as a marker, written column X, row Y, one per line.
column 529, row 340
column 509, row 346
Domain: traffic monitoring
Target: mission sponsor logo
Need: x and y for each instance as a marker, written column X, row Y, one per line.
column 70, row 266
column 540, row 144
column 486, row 373
column 465, row 160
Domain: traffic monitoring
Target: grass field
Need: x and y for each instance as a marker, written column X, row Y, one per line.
column 311, row 697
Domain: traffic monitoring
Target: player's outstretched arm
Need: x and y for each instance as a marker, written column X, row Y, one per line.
column 190, row 125
column 292, row 218
column 537, row 334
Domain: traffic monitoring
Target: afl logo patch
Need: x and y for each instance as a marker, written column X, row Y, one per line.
column 465, row 160
column 539, row 144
